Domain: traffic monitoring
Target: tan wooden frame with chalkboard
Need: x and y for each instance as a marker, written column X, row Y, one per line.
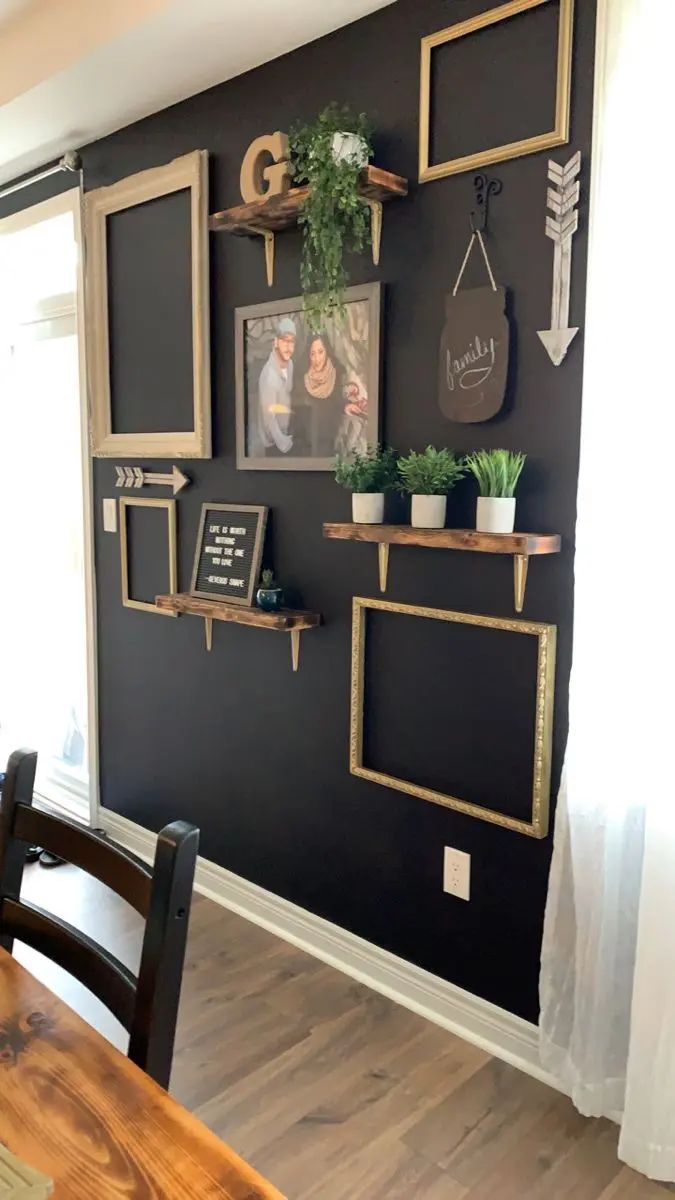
column 190, row 172
column 542, row 141
column 537, row 826
column 256, row 558
column 127, row 502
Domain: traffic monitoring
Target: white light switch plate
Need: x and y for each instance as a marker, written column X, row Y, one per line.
column 457, row 873
column 110, row 515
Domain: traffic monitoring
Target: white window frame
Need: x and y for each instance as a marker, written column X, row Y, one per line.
column 71, row 201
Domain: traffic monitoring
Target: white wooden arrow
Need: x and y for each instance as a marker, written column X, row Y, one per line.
column 562, row 199
column 136, row 477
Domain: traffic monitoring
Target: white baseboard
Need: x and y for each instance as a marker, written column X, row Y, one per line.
column 476, row 1020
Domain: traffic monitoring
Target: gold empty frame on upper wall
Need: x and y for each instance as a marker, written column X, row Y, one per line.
column 557, row 136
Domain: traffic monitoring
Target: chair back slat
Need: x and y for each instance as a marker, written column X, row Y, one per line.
column 159, row 977
column 126, row 875
column 17, row 788
column 95, row 967
column 147, row 1007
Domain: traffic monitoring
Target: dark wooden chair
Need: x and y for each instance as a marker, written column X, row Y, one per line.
column 148, row 1006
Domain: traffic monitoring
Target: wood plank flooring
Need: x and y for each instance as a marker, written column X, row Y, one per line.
column 332, row 1091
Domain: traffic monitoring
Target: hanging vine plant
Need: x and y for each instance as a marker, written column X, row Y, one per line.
column 329, row 155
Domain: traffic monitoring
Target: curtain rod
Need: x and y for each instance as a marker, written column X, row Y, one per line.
column 71, row 161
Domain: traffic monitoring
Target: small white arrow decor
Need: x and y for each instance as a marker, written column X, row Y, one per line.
column 562, row 199
column 136, row 477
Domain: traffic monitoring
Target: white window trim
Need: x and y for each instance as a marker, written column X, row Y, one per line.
column 71, row 201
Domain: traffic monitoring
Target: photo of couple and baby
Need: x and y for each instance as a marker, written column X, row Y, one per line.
column 306, row 396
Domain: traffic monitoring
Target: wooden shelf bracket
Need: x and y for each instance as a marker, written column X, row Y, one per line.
column 269, row 255
column 519, row 546
column 272, row 214
column 295, row 642
column 383, row 563
column 285, row 621
column 520, row 565
column 268, row 236
column 375, row 207
column 295, row 648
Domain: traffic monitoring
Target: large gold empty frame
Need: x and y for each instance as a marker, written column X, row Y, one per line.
column 537, row 826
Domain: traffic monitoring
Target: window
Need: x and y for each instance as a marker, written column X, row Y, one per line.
column 46, row 626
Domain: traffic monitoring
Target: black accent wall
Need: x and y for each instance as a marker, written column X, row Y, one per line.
column 232, row 740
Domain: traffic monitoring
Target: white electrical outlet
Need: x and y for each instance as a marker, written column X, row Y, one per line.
column 456, row 873
column 110, row 515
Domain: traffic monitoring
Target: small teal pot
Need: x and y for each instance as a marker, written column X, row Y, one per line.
column 270, row 599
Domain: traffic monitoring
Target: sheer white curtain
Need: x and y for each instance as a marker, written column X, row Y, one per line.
column 608, row 956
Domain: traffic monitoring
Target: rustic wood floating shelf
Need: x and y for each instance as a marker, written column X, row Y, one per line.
column 272, row 214
column 520, row 545
column 286, row 621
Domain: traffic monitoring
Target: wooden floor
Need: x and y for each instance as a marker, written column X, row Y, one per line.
column 333, row 1092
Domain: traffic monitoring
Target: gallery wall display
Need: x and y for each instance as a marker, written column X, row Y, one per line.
column 130, row 357
column 304, row 397
column 482, row 156
column 562, row 198
column 492, row 945
column 537, row 825
column 228, row 553
column 130, row 502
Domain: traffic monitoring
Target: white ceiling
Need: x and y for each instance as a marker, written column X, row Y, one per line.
column 8, row 8
column 185, row 47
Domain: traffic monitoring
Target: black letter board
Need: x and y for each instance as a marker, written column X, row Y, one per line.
column 229, row 549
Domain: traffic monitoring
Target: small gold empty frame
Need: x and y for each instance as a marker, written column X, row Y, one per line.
column 127, row 502
column 537, row 826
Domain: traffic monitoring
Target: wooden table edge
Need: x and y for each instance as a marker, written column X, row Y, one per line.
column 157, row 1098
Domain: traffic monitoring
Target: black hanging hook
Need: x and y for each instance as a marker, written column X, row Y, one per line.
column 484, row 188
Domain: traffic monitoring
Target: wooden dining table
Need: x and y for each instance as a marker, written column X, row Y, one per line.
column 73, row 1107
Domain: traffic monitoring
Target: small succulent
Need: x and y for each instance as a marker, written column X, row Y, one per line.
column 372, row 471
column 431, row 473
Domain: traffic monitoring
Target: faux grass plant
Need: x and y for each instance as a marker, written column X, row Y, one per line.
column 431, row 473
column 496, row 471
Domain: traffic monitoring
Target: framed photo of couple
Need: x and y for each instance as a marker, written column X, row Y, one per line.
column 304, row 397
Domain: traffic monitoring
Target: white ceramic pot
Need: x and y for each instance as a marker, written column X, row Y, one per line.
column 351, row 148
column 495, row 514
column 368, row 508
column 428, row 512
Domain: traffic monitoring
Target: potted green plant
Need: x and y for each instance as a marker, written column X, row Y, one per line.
column 497, row 473
column 368, row 476
column 428, row 477
column 270, row 596
column 329, row 155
